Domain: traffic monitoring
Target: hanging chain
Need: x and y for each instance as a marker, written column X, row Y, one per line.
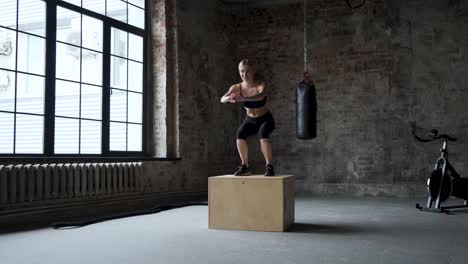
column 305, row 35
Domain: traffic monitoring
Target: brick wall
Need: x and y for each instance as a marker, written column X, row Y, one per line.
column 193, row 54
column 377, row 70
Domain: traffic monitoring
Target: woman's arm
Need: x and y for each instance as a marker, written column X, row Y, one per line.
column 229, row 96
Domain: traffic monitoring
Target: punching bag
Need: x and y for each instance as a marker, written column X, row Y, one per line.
column 306, row 109
column 306, row 100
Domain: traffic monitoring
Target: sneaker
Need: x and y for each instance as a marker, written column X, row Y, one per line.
column 269, row 170
column 242, row 170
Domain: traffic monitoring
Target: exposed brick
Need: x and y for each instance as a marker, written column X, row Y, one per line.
column 376, row 69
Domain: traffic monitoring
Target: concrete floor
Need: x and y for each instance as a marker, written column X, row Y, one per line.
column 327, row 230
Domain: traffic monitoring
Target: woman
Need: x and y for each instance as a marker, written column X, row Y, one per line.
column 252, row 93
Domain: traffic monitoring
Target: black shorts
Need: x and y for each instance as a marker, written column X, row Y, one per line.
column 264, row 125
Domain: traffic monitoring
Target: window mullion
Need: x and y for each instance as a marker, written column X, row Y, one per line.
column 106, row 70
column 146, row 73
column 49, row 104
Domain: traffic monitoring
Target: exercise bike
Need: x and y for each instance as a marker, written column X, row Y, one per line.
column 444, row 180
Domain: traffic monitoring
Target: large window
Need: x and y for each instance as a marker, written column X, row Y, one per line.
column 72, row 77
column 22, row 76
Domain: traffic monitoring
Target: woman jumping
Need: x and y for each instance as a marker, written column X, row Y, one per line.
column 252, row 93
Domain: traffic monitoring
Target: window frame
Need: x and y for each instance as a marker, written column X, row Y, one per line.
column 50, row 83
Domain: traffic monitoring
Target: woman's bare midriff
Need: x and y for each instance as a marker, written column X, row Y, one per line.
column 256, row 112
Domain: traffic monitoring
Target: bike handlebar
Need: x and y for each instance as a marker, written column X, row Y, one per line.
column 435, row 135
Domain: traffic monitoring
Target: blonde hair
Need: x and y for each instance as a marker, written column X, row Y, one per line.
column 247, row 62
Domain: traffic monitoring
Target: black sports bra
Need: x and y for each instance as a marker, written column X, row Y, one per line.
column 253, row 104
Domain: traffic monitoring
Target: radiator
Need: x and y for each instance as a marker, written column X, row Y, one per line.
column 22, row 183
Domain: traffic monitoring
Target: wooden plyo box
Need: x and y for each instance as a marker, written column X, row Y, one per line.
column 251, row 202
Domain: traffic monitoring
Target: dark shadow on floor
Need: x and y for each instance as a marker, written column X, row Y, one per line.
column 458, row 211
column 327, row 228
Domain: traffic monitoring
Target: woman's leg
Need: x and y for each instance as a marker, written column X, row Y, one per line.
column 246, row 128
column 265, row 129
column 243, row 149
column 266, row 150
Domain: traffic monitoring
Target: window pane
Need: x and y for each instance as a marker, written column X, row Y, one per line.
column 119, row 42
column 7, row 90
column 98, row 6
column 117, row 9
column 135, row 47
column 92, row 33
column 135, row 107
column 6, row 132
column 30, row 94
column 92, row 67
column 32, row 16
column 90, row 137
column 118, row 73
column 66, row 136
column 134, row 137
column 91, row 102
column 140, row 3
column 117, row 136
column 29, row 134
column 136, row 16
column 81, row 95
column 7, row 49
column 68, row 26
column 135, row 76
column 118, row 105
column 8, row 13
column 75, row 2
column 68, row 62
column 31, row 59
column 67, row 99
